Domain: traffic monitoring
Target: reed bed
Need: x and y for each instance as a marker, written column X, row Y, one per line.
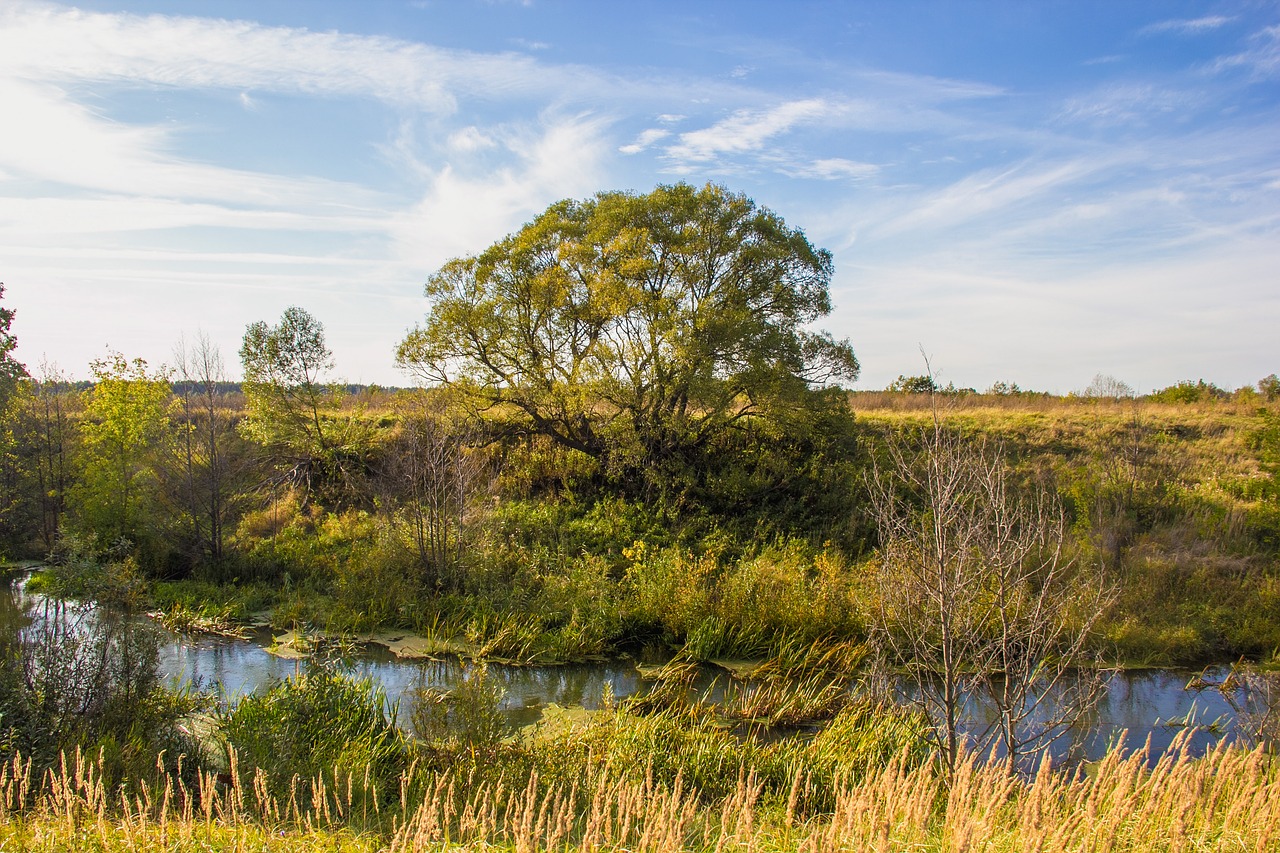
column 1228, row 800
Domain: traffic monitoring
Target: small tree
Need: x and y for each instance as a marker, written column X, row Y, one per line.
column 47, row 411
column 11, row 370
column 294, row 414
column 431, row 474
column 125, row 418
column 1269, row 387
column 1106, row 387
column 207, row 456
column 914, row 385
column 978, row 597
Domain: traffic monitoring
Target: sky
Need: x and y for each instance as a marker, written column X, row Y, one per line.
column 1026, row 192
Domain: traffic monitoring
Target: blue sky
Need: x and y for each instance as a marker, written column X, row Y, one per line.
column 1032, row 192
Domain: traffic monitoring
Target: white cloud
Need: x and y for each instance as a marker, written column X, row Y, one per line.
column 462, row 212
column 746, row 130
column 923, row 88
column 1128, row 103
column 832, row 169
column 987, row 192
column 50, row 138
column 1188, row 26
column 1262, row 58
column 470, row 139
column 645, row 140
column 56, row 44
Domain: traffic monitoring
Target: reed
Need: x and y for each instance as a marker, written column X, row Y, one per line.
column 1228, row 800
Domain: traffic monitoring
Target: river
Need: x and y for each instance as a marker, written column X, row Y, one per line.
column 1136, row 706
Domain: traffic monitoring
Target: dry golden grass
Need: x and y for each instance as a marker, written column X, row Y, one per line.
column 1228, row 800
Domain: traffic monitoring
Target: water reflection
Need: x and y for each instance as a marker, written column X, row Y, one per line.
column 1136, row 707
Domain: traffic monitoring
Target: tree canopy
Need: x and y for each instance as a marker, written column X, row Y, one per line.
column 635, row 327
column 11, row 370
column 293, row 413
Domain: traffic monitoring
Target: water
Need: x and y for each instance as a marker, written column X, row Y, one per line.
column 240, row 667
column 1136, row 707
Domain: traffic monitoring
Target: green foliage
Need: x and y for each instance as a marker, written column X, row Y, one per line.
column 739, row 608
column 1269, row 388
column 79, row 570
column 634, row 329
column 469, row 716
column 11, row 370
column 80, row 678
column 1187, row 602
column 603, row 528
column 319, row 724
column 698, row 751
column 297, row 417
column 233, row 601
column 914, row 385
column 865, row 737
column 1187, row 391
column 125, row 421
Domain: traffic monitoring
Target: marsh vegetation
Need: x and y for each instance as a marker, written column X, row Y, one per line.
column 629, row 444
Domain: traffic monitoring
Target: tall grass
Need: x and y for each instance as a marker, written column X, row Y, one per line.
column 1227, row 800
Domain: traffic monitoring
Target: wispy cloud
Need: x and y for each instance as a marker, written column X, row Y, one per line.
column 1188, row 26
column 832, row 169
column 746, row 130
column 48, row 137
column 989, row 191
column 1261, row 58
column 1128, row 103
column 645, row 140
column 55, row 44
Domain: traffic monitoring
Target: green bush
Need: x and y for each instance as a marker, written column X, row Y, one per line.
column 469, row 715
column 742, row 607
column 320, row 724
column 1187, row 391
column 81, row 678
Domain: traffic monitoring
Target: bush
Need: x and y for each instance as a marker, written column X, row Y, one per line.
column 470, row 715
column 80, row 678
column 742, row 607
column 320, row 724
column 1187, row 391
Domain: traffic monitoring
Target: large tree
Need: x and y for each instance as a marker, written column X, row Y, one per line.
column 635, row 328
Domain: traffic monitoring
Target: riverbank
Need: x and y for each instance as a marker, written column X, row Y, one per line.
column 1136, row 705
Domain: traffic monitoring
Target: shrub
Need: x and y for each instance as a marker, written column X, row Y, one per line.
column 80, row 678
column 469, row 715
column 320, row 722
column 1187, row 391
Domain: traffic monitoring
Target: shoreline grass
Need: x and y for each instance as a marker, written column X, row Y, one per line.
column 1227, row 800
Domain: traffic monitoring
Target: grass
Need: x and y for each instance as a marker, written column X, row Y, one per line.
column 1178, row 501
column 1229, row 800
